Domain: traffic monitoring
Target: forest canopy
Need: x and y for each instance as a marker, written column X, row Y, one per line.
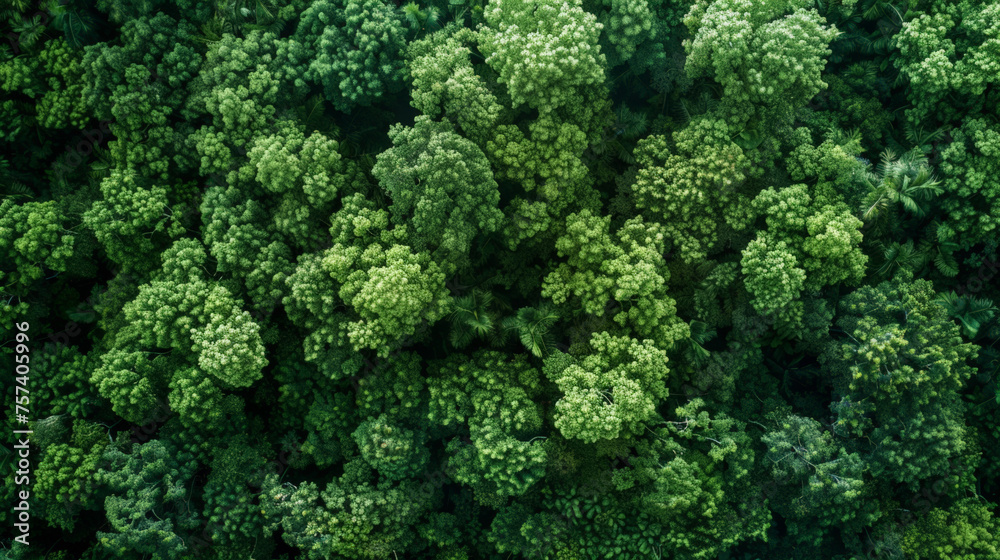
column 494, row 279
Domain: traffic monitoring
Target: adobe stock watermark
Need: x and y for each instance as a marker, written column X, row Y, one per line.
column 984, row 274
column 77, row 154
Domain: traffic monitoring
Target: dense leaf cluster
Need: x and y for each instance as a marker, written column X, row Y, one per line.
column 463, row 279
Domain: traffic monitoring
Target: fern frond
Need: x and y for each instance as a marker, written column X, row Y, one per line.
column 920, row 138
column 946, row 264
column 17, row 189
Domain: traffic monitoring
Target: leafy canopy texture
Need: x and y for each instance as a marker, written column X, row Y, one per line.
column 500, row 279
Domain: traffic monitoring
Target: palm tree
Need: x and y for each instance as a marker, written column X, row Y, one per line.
column 472, row 318
column 905, row 180
column 898, row 255
column 971, row 312
column 694, row 352
column 532, row 326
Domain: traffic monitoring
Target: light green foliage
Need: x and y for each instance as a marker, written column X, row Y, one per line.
column 132, row 382
column 494, row 395
column 229, row 345
column 307, row 173
column 132, row 218
column 628, row 270
column 396, row 389
column 195, row 397
column 33, row 237
column 577, row 524
column 627, row 24
column 311, row 302
column 445, row 83
column 231, row 60
column 239, row 236
column 181, row 310
column 543, row 51
column 966, row 530
column 547, row 161
column 828, row 163
column 441, row 186
column 903, row 358
column 767, row 56
column 353, row 516
column 145, row 143
column 395, row 452
column 950, row 49
column 693, row 471
column 291, row 161
column 53, row 80
column 63, row 385
column 970, row 168
column 147, row 507
column 329, row 421
column 66, row 477
column 498, row 279
column 771, row 275
column 392, row 290
column 360, row 222
column 818, row 230
column 492, row 385
column 232, row 518
column 610, row 392
column 687, row 189
column 358, row 46
column 236, row 112
column 160, row 44
column 888, row 347
column 62, row 105
column 239, row 85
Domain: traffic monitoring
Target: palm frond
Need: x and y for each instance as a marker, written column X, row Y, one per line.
column 313, row 118
column 971, row 312
column 29, row 30
column 921, row 139
column 17, row 189
column 472, row 318
column 532, row 326
column 946, row 263
column 899, row 256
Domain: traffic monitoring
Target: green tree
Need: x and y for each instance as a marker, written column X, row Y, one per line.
column 966, row 529
column 358, row 50
column 610, row 392
column 441, row 186
column 544, row 52
column 767, row 56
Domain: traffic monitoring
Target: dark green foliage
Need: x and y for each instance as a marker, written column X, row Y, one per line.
column 501, row 279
